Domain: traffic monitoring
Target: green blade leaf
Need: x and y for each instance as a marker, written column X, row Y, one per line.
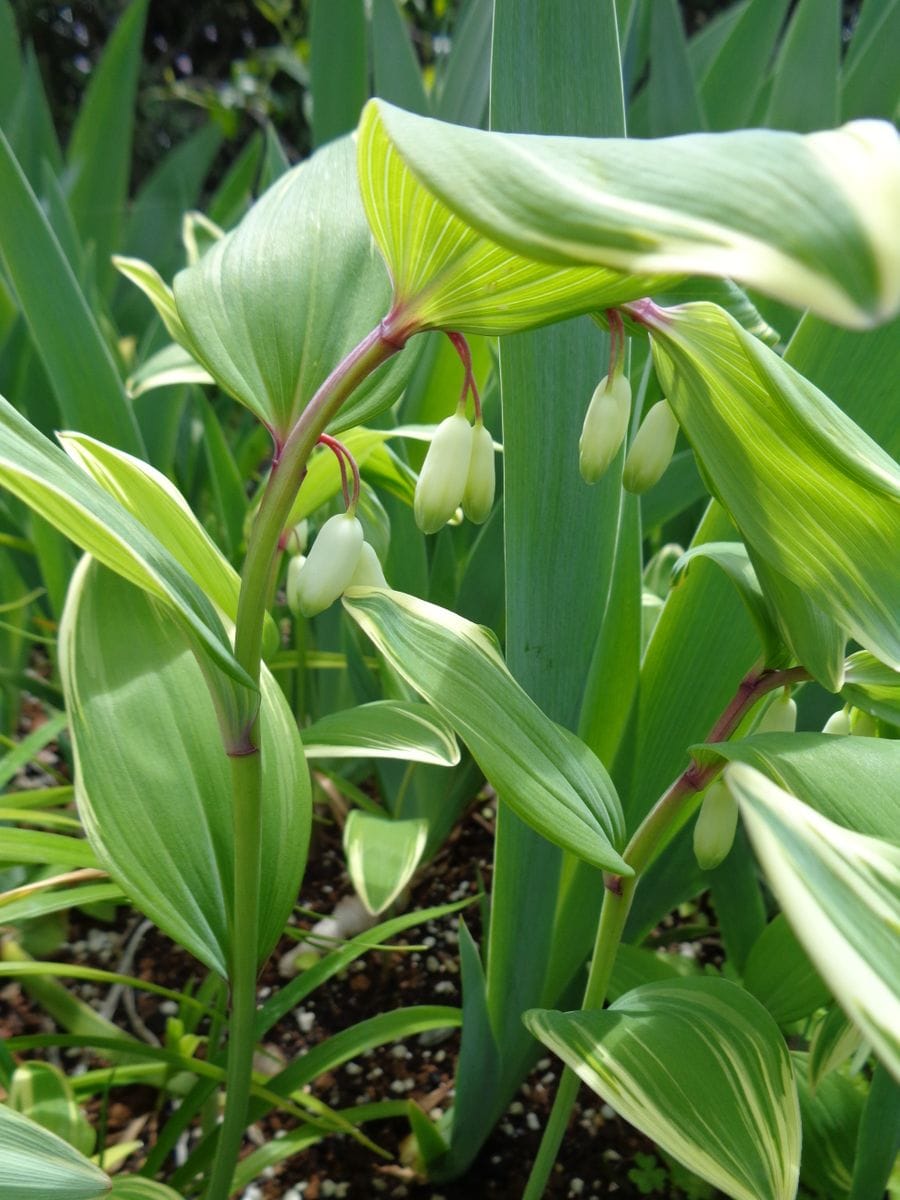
column 383, row 729
column 42, row 1092
column 64, row 330
column 310, row 287
column 811, row 493
column 41, row 475
column 136, row 1187
column 781, row 977
column 448, row 275
column 543, row 772
column 37, row 1165
column 676, row 206
column 872, row 686
column 382, row 856
column 153, row 782
column 699, row 1066
column 840, row 891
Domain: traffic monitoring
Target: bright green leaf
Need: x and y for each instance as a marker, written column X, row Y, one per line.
column 834, row 1040
column 136, row 1187
column 383, row 729
column 37, row 1165
column 382, row 856
column 840, row 891
column 811, row 493
column 873, row 687
column 153, row 782
column 42, row 1092
column 543, row 772
column 699, row 1066
column 170, row 366
column 781, row 977
column 819, row 232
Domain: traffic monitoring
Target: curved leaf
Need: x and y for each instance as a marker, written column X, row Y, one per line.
column 41, row 1091
column 37, row 1165
column 382, row 856
column 446, row 274
column 872, row 686
column 543, row 772
column 136, row 1187
column 840, row 891
column 153, row 782
column 383, row 729
column 811, row 493
column 781, row 977
column 273, row 307
column 699, row 1066
column 819, row 232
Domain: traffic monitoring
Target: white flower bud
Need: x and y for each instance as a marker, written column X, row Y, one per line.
column 863, row 725
column 478, row 497
column 319, row 580
column 444, row 473
column 651, row 451
column 298, row 539
column 368, row 571
column 294, row 567
column 605, row 426
column 715, row 827
column 838, row 724
column 779, row 717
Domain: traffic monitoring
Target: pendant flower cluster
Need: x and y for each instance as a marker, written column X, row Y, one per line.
column 459, row 467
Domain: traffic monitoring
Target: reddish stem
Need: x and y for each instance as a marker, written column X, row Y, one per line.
column 343, row 455
column 461, row 346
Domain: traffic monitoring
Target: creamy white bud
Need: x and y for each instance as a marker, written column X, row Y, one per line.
column 327, row 571
column 478, row 497
column 368, row 571
column 294, row 567
column 445, row 470
column 862, row 724
column 605, row 426
column 298, row 539
column 716, row 826
column 779, row 717
column 838, row 724
column 651, row 451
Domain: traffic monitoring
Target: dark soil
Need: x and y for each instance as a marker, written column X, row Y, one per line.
column 601, row 1156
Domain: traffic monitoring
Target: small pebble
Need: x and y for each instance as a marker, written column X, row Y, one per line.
column 531, row 1120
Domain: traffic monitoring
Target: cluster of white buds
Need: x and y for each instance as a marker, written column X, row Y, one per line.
column 458, row 470
column 716, row 826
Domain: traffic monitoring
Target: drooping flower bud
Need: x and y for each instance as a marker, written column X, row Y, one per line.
column 368, row 571
column 838, row 724
column 605, row 426
column 478, row 497
column 716, row 825
column 327, row 571
column 442, row 480
column 862, row 724
column 779, row 717
column 651, row 451
column 294, row 567
column 298, row 539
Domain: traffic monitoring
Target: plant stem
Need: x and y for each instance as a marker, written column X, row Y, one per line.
column 645, row 844
column 257, row 577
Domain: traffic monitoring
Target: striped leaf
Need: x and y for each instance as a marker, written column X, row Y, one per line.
column 819, row 232
column 545, row 774
column 840, row 891
column 37, row 1165
column 382, row 856
column 310, row 287
column 699, row 1066
column 448, row 275
column 42, row 476
column 41, row 1091
column 153, row 784
column 813, row 496
column 136, row 1187
column 383, row 729
column 870, row 685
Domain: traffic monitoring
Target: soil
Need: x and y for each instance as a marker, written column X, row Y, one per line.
column 601, row 1156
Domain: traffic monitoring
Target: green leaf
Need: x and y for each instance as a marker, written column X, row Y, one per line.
column 839, row 890
column 674, row 102
column 136, row 1187
column 831, row 1115
column 873, row 687
column 41, row 475
column 382, row 856
column 544, row 773
column 42, row 1092
column 811, row 493
column 383, row 729
column 834, row 1040
column 19, row 846
column 64, row 331
column 879, row 1138
column 447, row 275
column 37, row 1165
column 311, row 287
column 153, row 782
column 395, row 67
column 701, row 1068
column 99, row 152
column 171, row 365
column 733, row 77
column 672, row 206
column 781, row 977
column 338, row 66
column 807, row 73
column 869, row 77
column 733, row 559
column 39, row 904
